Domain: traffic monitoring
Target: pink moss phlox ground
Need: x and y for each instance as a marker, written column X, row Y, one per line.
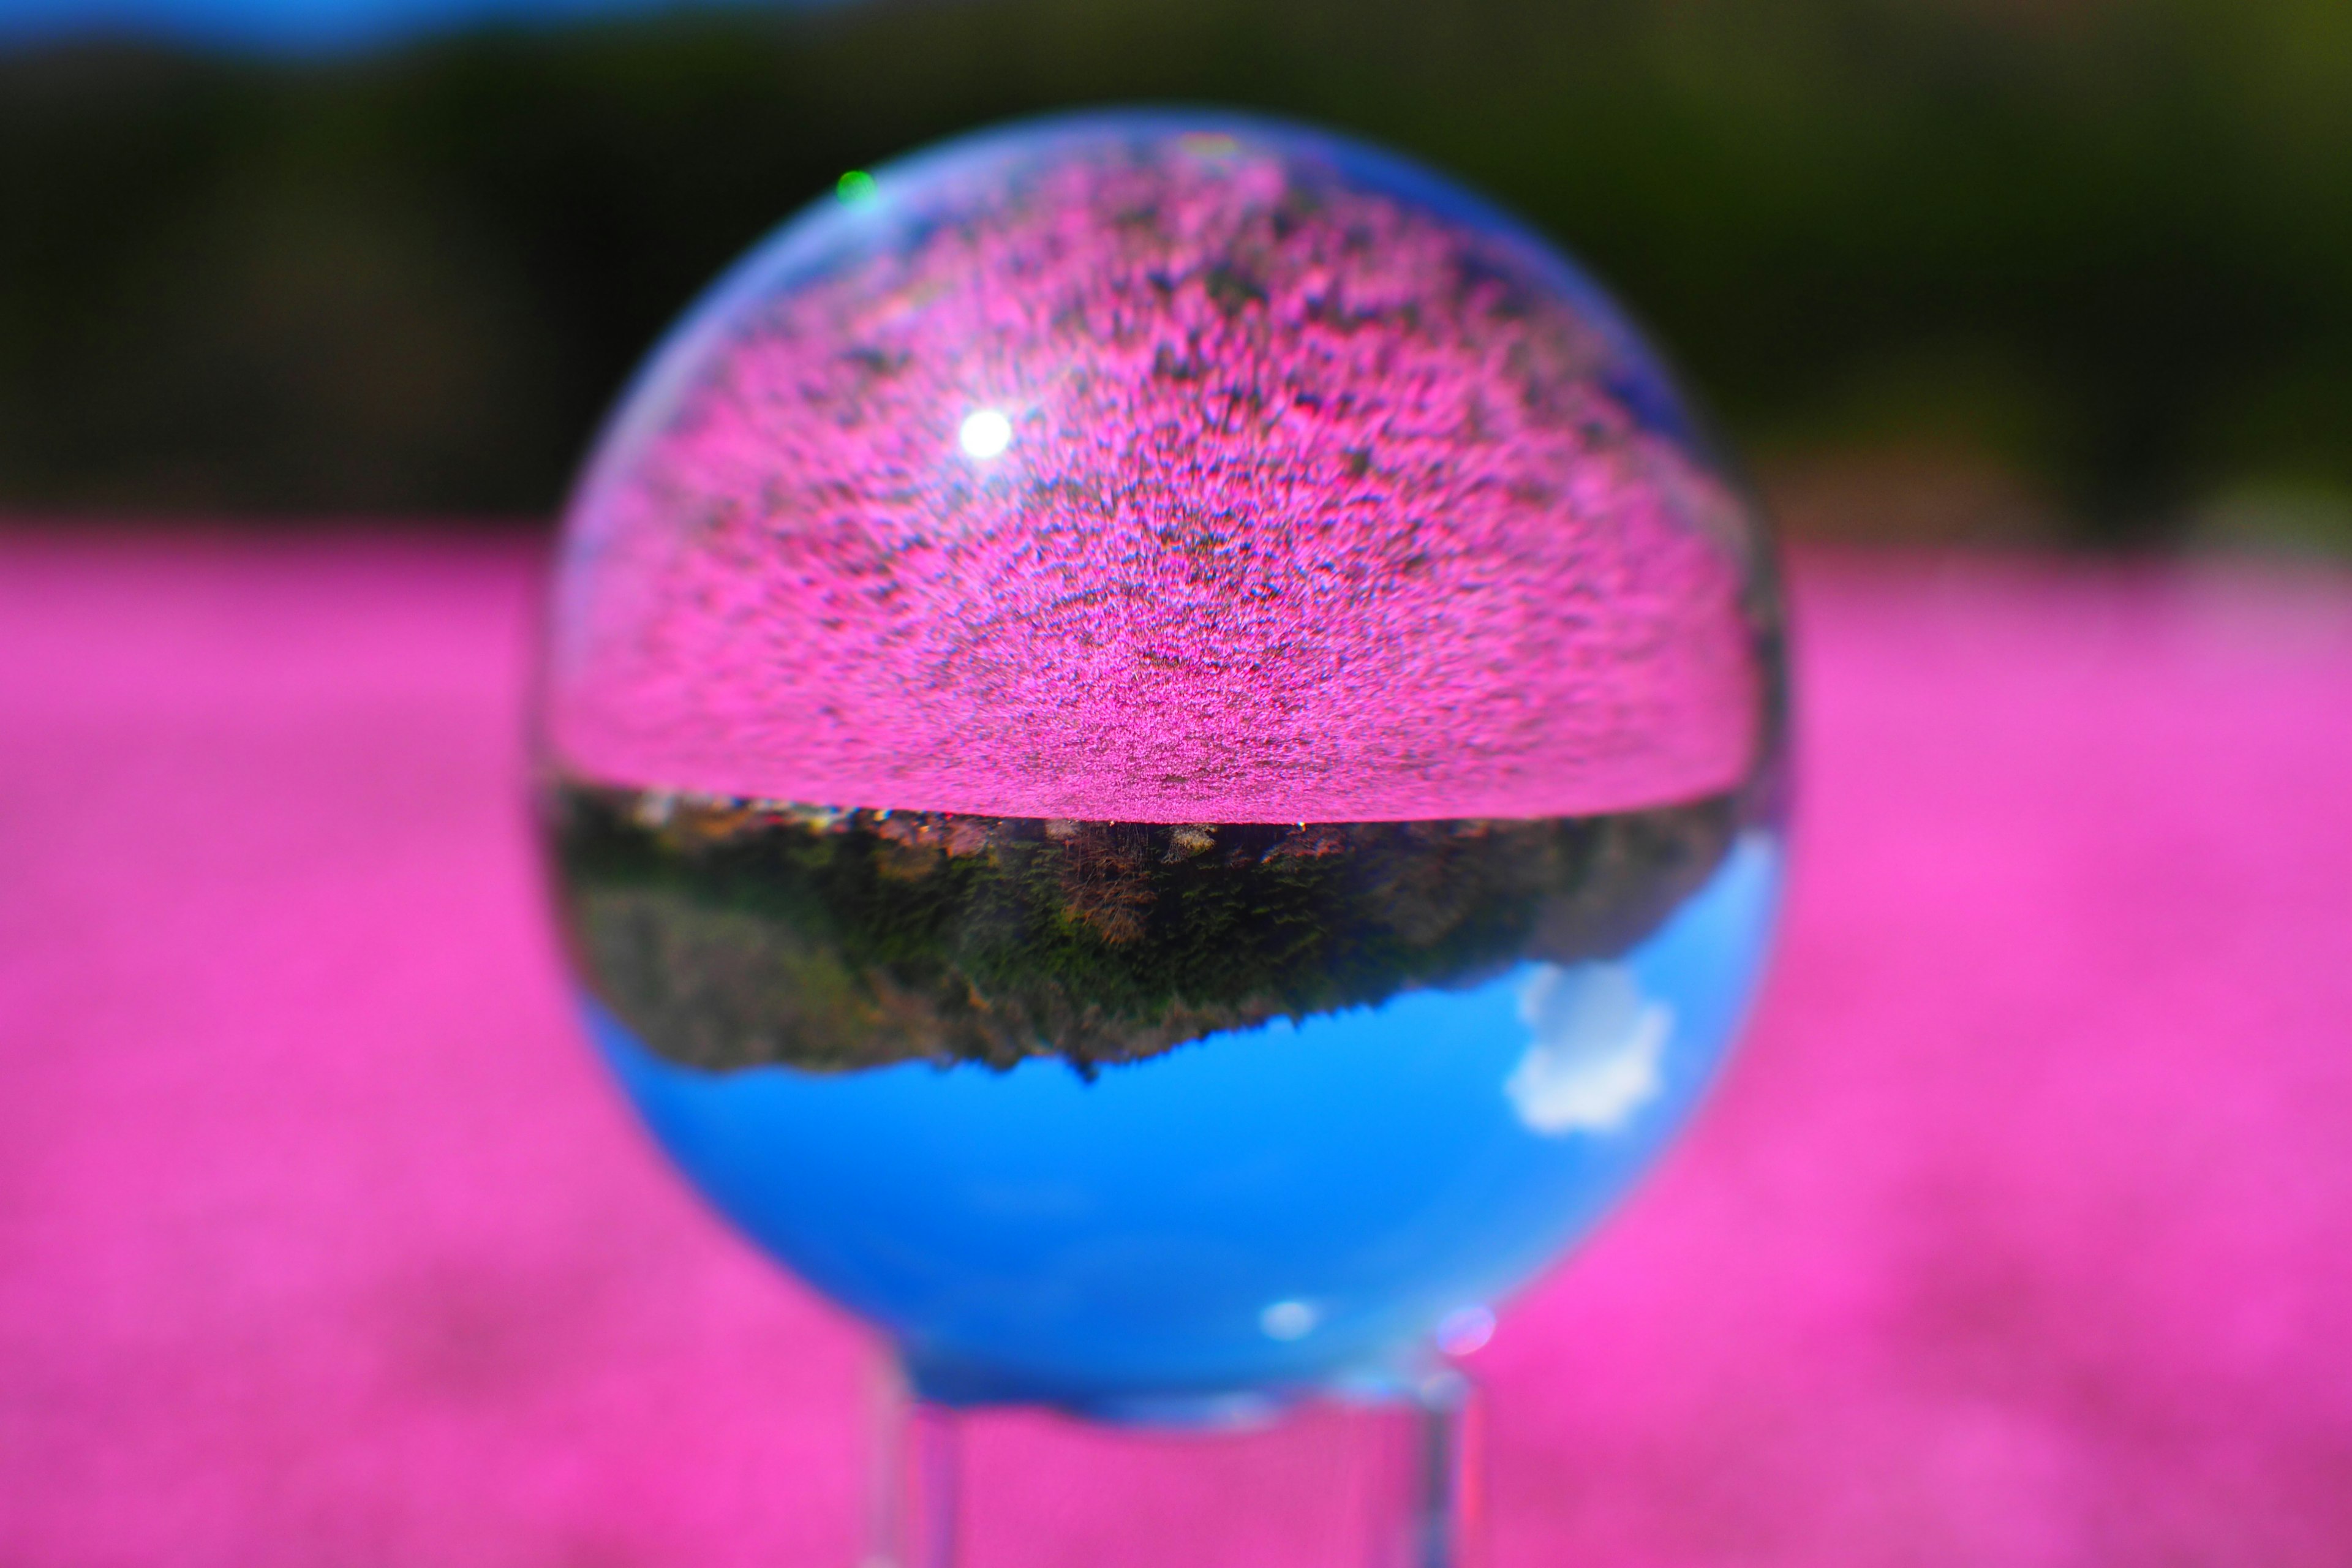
column 2019, row 1236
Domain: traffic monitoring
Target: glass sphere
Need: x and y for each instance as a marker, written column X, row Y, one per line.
column 1159, row 740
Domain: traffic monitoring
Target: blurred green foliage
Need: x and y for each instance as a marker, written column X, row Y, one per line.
column 2105, row 245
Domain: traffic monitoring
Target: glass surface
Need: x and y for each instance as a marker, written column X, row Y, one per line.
column 1160, row 744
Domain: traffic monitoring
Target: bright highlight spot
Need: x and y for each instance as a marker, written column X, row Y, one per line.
column 985, row 434
column 857, row 185
column 1464, row 1330
column 1287, row 1320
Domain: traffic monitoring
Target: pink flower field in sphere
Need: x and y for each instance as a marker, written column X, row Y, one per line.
column 1122, row 468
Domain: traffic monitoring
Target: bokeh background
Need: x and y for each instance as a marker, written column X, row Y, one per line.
column 2020, row 1232
column 2067, row 271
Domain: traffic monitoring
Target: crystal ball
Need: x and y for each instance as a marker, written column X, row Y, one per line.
column 1159, row 738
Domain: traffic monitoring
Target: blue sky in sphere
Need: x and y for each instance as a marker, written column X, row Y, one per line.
column 312, row 27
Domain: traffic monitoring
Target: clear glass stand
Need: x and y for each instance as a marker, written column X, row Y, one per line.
column 1416, row 1448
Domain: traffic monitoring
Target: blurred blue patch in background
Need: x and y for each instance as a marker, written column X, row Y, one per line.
column 308, row 28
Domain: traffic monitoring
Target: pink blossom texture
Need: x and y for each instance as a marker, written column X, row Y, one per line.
column 1117, row 470
column 2019, row 1235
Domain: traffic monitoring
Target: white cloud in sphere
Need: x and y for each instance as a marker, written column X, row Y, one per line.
column 1597, row 1050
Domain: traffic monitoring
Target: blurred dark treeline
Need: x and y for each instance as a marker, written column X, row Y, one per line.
column 2070, row 268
